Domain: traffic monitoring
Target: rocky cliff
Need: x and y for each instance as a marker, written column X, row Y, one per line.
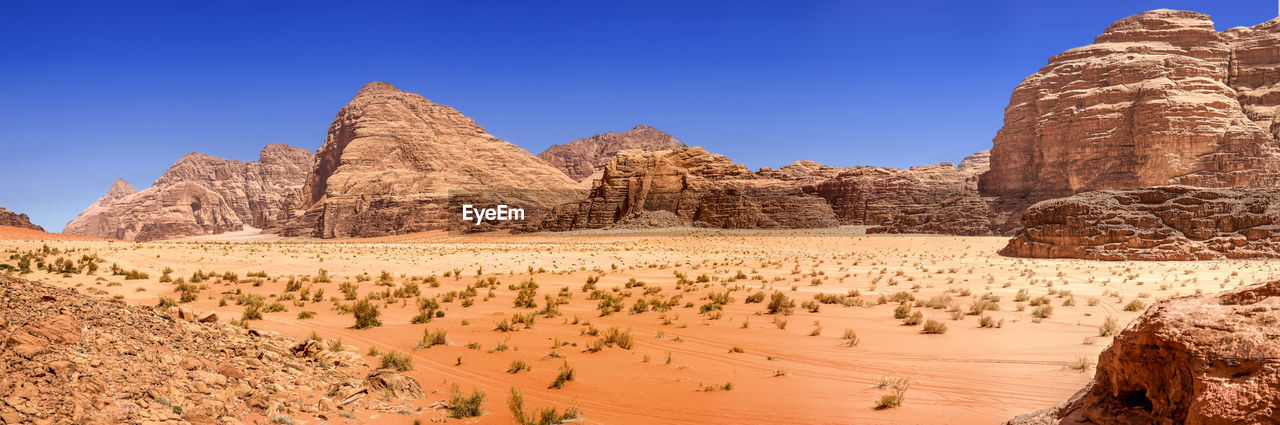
column 1204, row 359
column 583, row 157
column 10, row 218
column 940, row 198
column 1158, row 223
column 699, row 188
column 395, row 163
column 1159, row 98
column 200, row 194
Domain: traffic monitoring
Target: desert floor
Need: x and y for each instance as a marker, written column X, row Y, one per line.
column 783, row 369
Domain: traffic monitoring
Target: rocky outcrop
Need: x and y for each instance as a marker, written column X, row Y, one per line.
column 940, row 198
column 583, row 157
column 699, row 188
column 396, row 163
column 1159, row 223
column 71, row 358
column 1159, row 98
column 1204, row 359
column 200, row 194
column 691, row 187
column 10, row 218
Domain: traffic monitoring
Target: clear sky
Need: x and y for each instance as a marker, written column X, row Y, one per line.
column 102, row 90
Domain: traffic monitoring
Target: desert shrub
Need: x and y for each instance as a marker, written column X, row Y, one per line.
column 1042, row 312
column 566, row 374
column 756, row 297
column 366, row 314
column 897, row 391
column 462, row 406
column 306, row 315
column 914, row 319
column 780, row 303
column 934, row 327
column 432, row 338
column 1109, row 327
column 518, row 366
column 1135, row 305
column 397, row 361
column 1081, row 364
column 546, row 416
column 902, row 311
column 850, row 338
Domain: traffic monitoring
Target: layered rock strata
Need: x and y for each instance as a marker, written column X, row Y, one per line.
column 582, row 158
column 1158, row 223
column 1159, row 98
column 396, row 163
column 200, row 194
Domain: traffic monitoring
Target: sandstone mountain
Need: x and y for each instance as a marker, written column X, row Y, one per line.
column 72, row 358
column 696, row 188
column 200, row 194
column 1202, row 359
column 395, row 163
column 1158, row 223
column 940, row 198
column 699, row 188
column 1159, row 98
column 10, row 218
column 583, row 157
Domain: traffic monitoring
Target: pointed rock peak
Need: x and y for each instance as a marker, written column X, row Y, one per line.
column 378, row 87
column 121, row 188
column 644, row 127
column 278, row 152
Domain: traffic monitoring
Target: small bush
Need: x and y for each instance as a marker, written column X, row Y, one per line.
column 366, row 314
column 1109, row 327
column 518, row 366
column 1135, row 305
column 934, row 327
column 397, row 361
column 566, row 374
column 463, row 406
column 779, row 303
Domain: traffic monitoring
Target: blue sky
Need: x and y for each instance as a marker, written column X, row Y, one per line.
column 101, row 90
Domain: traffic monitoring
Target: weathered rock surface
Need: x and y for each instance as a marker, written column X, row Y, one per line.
column 691, row 187
column 940, row 198
column 1159, row 98
column 1202, row 360
column 70, row 358
column 1158, row 223
column 583, row 157
column 200, row 194
column 701, row 188
column 396, row 163
column 10, row 218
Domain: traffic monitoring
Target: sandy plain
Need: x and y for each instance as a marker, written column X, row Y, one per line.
column 783, row 369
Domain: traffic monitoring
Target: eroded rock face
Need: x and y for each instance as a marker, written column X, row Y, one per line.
column 1158, row 223
column 394, row 163
column 699, row 188
column 1202, row 360
column 583, row 157
column 940, row 198
column 10, row 218
column 72, row 358
column 1159, row 98
column 200, row 194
